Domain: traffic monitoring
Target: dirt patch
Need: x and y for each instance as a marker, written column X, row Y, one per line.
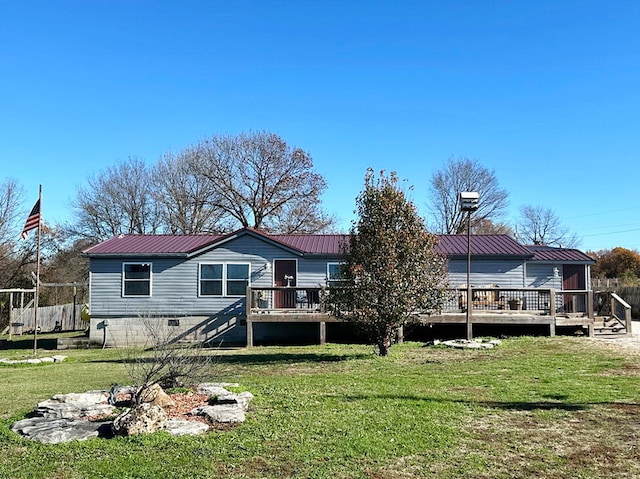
column 600, row 442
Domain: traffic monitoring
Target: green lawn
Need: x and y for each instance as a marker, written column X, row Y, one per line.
column 535, row 407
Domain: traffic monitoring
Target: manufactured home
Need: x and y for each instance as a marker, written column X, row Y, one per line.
column 250, row 287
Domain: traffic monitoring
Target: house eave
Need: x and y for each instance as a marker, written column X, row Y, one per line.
column 240, row 233
column 135, row 255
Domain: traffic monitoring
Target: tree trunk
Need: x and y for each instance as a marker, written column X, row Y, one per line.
column 384, row 344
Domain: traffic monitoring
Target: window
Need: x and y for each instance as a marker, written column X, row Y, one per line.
column 237, row 279
column 136, row 279
column 224, row 279
column 211, row 279
column 334, row 274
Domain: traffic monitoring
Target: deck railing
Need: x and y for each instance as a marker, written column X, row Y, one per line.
column 621, row 311
column 536, row 300
column 540, row 301
column 302, row 299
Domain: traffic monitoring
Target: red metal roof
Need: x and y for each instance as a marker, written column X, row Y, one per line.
column 152, row 244
column 330, row 244
column 550, row 253
column 482, row 245
column 313, row 244
column 180, row 245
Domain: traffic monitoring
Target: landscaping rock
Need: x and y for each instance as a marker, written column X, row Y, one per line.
column 222, row 413
column 241, row 400
column 156, row 395
column 143, row 419
column 215, row 389
column 182, row 427
column 466, row 344
column 67, row 417
column 54, row 431
column 75, row 406
column 53, row 359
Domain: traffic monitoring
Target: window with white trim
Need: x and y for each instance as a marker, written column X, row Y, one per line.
column 334, row 274
column 136, row 279
column 224, row 279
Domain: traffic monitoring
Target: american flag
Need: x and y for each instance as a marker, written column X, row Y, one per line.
column 33, row 221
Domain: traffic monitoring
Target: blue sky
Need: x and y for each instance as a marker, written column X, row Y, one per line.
column 545, row 93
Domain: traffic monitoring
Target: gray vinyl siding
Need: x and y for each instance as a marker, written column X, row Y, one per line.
column 540, row 275
column 174, row 289
column 504, row 273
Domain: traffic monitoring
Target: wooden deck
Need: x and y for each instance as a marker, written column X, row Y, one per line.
column 490, row 306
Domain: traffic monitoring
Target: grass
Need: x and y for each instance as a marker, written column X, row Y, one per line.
column 535, row 407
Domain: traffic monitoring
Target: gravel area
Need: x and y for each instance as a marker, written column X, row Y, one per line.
column 629, row 342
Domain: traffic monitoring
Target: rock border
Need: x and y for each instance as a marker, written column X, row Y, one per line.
column 466, row 344
column 71, row 417
column 53, row 359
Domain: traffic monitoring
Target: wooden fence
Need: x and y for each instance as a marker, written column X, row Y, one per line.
column 50, row 318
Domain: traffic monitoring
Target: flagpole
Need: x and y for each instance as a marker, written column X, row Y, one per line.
column 35, row 301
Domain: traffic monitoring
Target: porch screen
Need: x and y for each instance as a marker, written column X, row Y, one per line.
column 136, row 279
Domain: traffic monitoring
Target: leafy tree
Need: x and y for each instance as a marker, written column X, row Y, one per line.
column 464, row 174
column 261, row 182
column 616, row 263
column 541, row 226
column 390, row 263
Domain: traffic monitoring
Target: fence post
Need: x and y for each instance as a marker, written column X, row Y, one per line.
column 10, row 315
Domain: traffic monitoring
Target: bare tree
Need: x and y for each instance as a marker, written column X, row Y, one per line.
column 263, row 183
column 541, row 226
column 11, row 197
column 488, row 227
column 117, row 200
column 164, row 359
column 185, row 199
column 15, row 255
column 464, row 174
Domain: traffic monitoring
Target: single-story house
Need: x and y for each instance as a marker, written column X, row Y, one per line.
column 197, row 285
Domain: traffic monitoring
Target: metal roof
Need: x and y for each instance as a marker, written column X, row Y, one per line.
column 183, row 245
column 313, row 244
column 482, row 245
column 319, row 244
column 152, row 245
column 550, row 253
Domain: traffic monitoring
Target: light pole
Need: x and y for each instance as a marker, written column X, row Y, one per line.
column 469, row 202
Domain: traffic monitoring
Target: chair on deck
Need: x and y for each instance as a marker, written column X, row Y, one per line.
column 489, row 298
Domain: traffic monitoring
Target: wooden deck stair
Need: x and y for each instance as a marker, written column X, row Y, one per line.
column 609, row 327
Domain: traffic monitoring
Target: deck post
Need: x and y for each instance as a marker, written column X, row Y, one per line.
column 249, row 333
column 552, row 327
column 323, row 332
column 627, row 321
column 552, row 302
